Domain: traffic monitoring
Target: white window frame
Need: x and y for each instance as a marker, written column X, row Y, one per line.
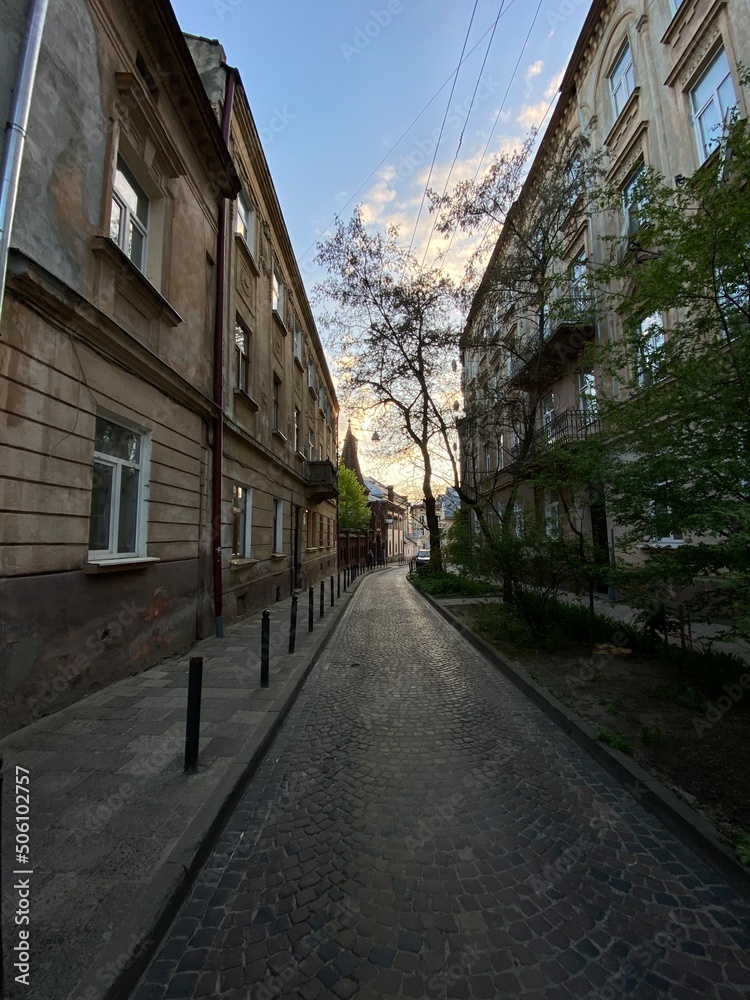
column 501, row 452
column 127, row 216
column 278, row 527
column 487, row 458
column 243, row 357
column 244, row 223
column 708, row 138
column 311, row 444
column 278, row 294
column 297, row 430
column 552, row 513
column 116, row 464
column 632, row 209
column 579, row 282
column 673, row 540
column 518, row 518
column 298, row 344
column 242, row 511
column 587, row 404
column 621, row 78
column 647, row 375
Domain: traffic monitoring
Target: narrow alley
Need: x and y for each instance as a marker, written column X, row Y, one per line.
column 419, row 829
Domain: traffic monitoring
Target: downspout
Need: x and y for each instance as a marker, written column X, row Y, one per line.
column 15, row 133
column 218, row 419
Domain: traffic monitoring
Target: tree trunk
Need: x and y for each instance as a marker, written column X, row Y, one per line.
column 433, row 526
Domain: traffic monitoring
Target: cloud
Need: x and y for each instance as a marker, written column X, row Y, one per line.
column 531, row 114
column 534, row 69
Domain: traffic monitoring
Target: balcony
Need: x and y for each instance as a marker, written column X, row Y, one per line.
column 569, row 426
column 565, row 337
column 322, row 480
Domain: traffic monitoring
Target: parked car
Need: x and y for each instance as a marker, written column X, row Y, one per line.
column 423, row 559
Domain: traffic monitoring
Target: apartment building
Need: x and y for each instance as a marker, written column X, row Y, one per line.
column 127, row 387
column 279, row 525
column 648, row 84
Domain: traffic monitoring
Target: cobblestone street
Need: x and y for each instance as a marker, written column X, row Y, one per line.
column 420, row 829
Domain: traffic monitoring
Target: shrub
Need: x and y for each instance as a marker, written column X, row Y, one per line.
column 614, row 739
column 451, row 585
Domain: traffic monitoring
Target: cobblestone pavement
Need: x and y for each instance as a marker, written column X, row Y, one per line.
column 420, row 829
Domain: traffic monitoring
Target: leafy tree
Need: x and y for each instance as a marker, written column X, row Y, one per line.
column 393, row 324
column 526, row 293
column 679, row 429
column 354, row 507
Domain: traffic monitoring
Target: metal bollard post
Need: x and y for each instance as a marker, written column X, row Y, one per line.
column 322, row 598
column 310, row 611
column 331, row 591
column 293, row 624
column 265, row 646
column 2, row 957
column 338, row 584
column 193, row 725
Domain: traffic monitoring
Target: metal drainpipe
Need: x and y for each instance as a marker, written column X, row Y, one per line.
column 217, row 465
column 15, row 133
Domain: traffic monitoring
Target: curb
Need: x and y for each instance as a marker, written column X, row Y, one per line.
column 686, row 824
column 121, row 963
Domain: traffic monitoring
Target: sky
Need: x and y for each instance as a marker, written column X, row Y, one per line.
column 350, row 98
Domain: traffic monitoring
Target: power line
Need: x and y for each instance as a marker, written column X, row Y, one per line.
column 442, row 127
column 466, row 122
column 403, row 134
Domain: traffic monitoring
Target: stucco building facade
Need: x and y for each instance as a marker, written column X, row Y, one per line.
column 648, row 85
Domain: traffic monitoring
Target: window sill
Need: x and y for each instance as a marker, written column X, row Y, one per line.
column 313, row 391
column 247, row 399
column 300, row 456
column 239, row 562
column 280, row 435
column 279, row 321
column 298, row 363
column 626, row 112
column 663, row 543
column 161, row 309
column 96, row 566
column 278, row 555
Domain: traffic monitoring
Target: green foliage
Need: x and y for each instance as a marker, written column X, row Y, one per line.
column 498, row 624
column 451, row 585
column 707, row 669
column 678, row 438
column 651, row 735
column 354, row 509
column 614, row 739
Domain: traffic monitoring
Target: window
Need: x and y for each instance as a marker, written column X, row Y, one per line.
column 633, row 202
column 587, row 396
column 621, row 79
column 128, row 225
column 298, row 345
column 278, row 526
column 329, row 524
column 501, row 452
column 650, row 351
column 117, row 523
column 661, row 515
column 311, row 445
column 276, row 403
column 518, row 518
column 320, row 531
column 311, row 529
column 297, row 430
column 242, row 521
column 487, row 458
column 579, row 291
column 311, row 377
column 548, row 417
column 245, row 222
column 277, row 294
column 712, row 100
column 551, row 513
column 242, row 356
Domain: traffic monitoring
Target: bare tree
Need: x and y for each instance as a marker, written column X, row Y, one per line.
column 395, row 326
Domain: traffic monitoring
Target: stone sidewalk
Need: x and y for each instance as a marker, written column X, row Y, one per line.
column 118, row 831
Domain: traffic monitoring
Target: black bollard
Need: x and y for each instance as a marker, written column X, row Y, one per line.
column 265, row 646
column 311, row 603
column 322, row 598
column 293, row 624
column 2, row 957
column 331, row 591
column 193, row 725
column 338, row 584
